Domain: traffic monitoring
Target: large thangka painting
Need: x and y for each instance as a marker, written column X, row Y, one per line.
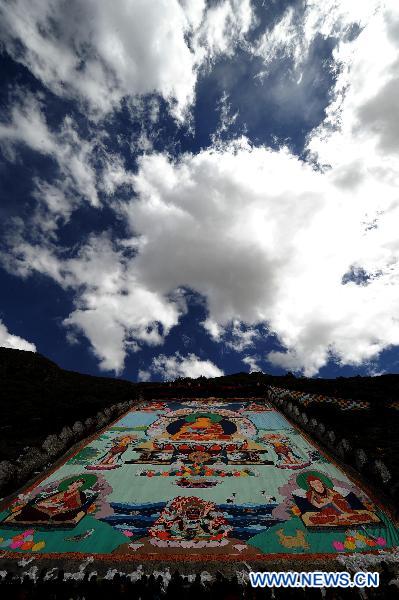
column 185, row 479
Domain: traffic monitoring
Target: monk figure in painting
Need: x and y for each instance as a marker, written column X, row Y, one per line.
column 328, row 507
column 329, row 502
column 65, row 506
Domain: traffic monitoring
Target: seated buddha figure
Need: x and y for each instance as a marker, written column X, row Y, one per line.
column 202, row 428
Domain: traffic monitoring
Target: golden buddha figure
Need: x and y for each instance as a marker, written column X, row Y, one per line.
column 202, row 428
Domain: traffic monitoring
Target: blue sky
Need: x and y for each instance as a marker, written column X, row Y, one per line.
column 191, row 187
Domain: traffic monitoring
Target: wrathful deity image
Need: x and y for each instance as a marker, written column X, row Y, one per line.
column 189, row 519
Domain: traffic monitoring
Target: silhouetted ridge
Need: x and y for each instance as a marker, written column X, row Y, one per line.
column 40, row 398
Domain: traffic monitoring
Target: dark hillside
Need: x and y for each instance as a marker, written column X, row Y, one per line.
column 380, row 390
column 39, row 398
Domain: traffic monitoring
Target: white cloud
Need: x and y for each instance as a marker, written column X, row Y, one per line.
column 75, row 177
column 214, row 222
column 7, row 340
column 225, row 24
column 360, row 136
column 259, row 234
column 176, row 365
column 114, row 310
column 213, row 329
column 263, row 236
column 252, row 362
column 99, row 52
column 241, row 337
column 84, row 169
column 284, row 39
column 226, row 120
column 293, row 34
column 27, row 125
column 143, row 375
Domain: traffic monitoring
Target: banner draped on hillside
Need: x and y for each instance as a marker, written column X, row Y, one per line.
column 189, row 478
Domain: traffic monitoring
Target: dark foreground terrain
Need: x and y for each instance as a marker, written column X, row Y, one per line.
column 181, row 587
column 39, row 398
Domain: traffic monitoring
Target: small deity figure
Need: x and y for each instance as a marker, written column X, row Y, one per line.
column 199, row 429
column 287, row 455
column 113, row 456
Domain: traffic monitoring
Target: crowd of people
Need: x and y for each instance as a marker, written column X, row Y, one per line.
column 177, row 587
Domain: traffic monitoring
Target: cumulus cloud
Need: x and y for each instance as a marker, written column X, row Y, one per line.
column 75, row 176
column 84, row 171
column 114, row 310
column 218, row 223
column 264, row 236
column 360, row 134
column 252, row 362
column 174, row 366
column 8, row 340
column 292, row 35
column 358, row 144
column 101, row 52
